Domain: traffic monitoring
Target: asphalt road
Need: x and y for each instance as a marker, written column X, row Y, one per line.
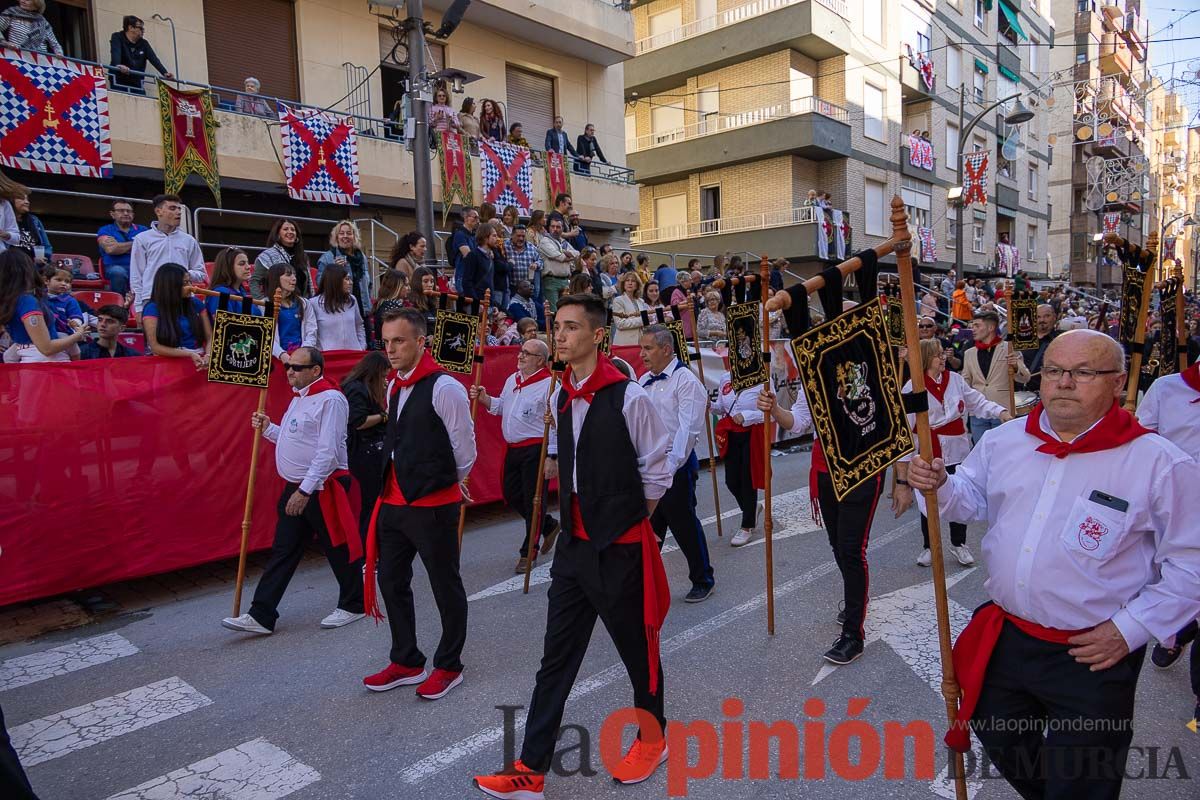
column 165, row 703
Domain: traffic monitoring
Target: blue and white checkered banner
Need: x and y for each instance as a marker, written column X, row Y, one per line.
column 320, row 156
column 506, row 175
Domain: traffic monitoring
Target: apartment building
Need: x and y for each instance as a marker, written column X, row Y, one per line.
column 737, row 109
column 1173, row 177
column 1102, row 117
column 537, row 58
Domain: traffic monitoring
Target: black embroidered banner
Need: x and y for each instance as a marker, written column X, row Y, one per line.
column 454, row 335
column 1169, row 341
column 241, row 352
column 893, row 315
column 747, row 367
column 1022, row 326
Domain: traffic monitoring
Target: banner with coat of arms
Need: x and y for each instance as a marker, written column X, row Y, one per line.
column 189, row 138
column 928, row 243
column 53, row 115
column 455, row 165
column 975, row 179
column 1112, row 221
column 506, row 175
column 320, row 156
column 558, row 177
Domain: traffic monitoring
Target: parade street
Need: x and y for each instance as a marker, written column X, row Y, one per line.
column 165, row 703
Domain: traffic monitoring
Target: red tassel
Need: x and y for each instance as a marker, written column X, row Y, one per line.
column 370, row 603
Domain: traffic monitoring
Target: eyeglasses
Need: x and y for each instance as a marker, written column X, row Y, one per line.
column 1078, row 375
column 297, row 367
column 528, row 353
column 924, row 325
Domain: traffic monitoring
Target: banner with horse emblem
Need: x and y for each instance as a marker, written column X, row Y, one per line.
column 746, row 365
column 506, row 175
column 454, row 335
column 975, row 178
column 558, row 177
column 241, row 351
column 189, row 138
column 1022, row 334
column 320, row 156
column 53, row 115
column 853, row 389
column 455, row 171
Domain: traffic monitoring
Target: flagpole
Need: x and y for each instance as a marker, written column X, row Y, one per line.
column 248, row 509
column 1139, row 330
column 1181, row 336
column 764, row 274
column 708, row 427
column 535, row 527
column 475, row 378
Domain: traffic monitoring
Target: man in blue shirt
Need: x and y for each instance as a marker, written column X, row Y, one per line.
column 666, row 276
column 462, row 241
column 116, row 242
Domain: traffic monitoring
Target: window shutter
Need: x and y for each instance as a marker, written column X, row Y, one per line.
column 252, row 39
column 530, row 102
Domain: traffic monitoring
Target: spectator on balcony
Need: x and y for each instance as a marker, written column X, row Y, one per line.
column 462, row 241
column 164, row 243
column 516, row 135
column 24, row 27
column 110, row 321
column 175, row 322
column 285, row 245
column 34, row 240
column 231, row 270
column 558, row 141
column 408, row 253
column 711, row 322
column 295, row 324
column 491, row 121
column 249, row 102
column 116, row 241
column 129, row 52
column 811, row 198
column 557, row 258
column 441, row 114
column 587, row 150
column 26, row 316
column 479, row 269
column 345, row 250
column 468, row 123
column 339, row 321
column 10, row 233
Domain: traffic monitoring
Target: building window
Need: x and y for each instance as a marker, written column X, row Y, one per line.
column 980, row 15
column 951, row 234
column 630, row 131
column 241, row 41
column 1031, row 243
column 666, row 123
column 1033, row 56
column 951, row 144
column 710, row 209
column 873, row 100
column 708, row 103
column 977, row 237
column 979, row 85
column 953, row 67
column 873, row 20
column 670, row 216
column 1033, row 181
column 530, row 99
column 876, row 217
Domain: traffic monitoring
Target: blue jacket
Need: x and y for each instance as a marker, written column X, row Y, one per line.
column 559, row 142
column 460, row 237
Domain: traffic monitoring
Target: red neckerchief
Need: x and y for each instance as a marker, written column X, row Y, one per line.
column 605, row 374
column 321, row 384
column 938, row 390
column 540, row 375
column 425, row 367
column 1191, row 376
column 988, row 345
column 1116, row 428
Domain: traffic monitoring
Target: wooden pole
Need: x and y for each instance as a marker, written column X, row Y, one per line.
column 950, row 688
column 764, row 269
column 1139, row 331
column 1012, row 388
column 248, row 509
column 535, row 528
column 477, row 370
column 708, row 426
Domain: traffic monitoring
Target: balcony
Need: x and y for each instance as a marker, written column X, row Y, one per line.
column 1115, row 59
column 1008, row 58
column 816, row 28
column 912, row 85
column 908, row 170
column 790, row 234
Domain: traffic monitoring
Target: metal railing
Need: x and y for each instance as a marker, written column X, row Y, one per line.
column 730, row 16
column 803, row 215
column 726, row 122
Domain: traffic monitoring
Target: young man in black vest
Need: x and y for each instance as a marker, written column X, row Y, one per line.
column 612, row 469
column 431, row 447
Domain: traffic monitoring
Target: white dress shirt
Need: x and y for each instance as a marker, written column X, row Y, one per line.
column 334, row 330
column 154, row 248
column 959, row 399
column 1058, row 558
column 681, row 403
column 1170, row 407
column 310, row 440
column 451, row 404
column 802, row 421
column 522, row 413
column 730, row 403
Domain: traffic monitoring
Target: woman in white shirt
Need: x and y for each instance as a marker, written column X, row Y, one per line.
column 336, row 316
column 627, row 308
column 710, row 324
column 950, row 399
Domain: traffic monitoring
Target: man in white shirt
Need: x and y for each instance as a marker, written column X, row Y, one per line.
column 739, row 439
column 1091, row 550
column 522, row 408
column 557, row 258
column 164, row 243
column 310, row 455
column 681, row 402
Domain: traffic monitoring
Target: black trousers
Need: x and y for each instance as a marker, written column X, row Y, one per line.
column 677, row 511
column 292, row 534
column 405, row 532
column 367, row 462
column 519, row 487
column 958, row 531
column 737, row 477
column 586, row 584
column 848, row 524
column 1054, row 729
column 13, row 783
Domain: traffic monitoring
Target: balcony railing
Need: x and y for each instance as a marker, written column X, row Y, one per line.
column 730, row 16
column 720, row 123
column 804, row 215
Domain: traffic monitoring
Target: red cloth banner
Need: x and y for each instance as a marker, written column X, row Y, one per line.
column 558, row 177
column 122, row 468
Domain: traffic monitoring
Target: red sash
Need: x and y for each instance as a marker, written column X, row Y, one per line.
column 726, row 426
column 339, row 516
column 954, row 427
column 537, row 440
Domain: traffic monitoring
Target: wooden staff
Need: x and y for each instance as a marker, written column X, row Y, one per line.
column 1012, row 388
column 1139, row 329
column 535, row 528
column 249, row 507
column 241, row 298
column 764, row 269
column 708, row 427
column 477, row 374
column 1181, row 336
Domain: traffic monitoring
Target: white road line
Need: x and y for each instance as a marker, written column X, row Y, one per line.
column 481, row 740
column 24, row 670
column 83, row 726
column 255, row 770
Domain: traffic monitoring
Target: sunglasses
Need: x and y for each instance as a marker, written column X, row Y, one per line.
column 297, row 367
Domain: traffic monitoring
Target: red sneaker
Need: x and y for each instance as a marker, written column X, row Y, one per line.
column 438, row 684
column 518, row 782
column 640, row 762
column 394, row 675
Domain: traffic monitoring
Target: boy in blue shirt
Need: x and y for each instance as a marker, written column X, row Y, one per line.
column 67, row 314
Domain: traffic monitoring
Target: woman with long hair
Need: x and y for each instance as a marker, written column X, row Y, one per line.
column 10, row 232
column 442, row 116
column 33, row 233
column 491, row 121
column 335, row 311
column 408, row 254
column 175, row 322
column 365, row 389
column 627, row 308
column 652, row 294
column 285, row 245
column 393, row 295
column 25, row 315
column 231, row 270
column 345, row 250
column 468, row 123
column 424, row 281
column 295, row 324
column 508, row 220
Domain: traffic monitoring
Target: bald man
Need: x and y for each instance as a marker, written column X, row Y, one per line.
column 1047, row 331
column 1091, row 551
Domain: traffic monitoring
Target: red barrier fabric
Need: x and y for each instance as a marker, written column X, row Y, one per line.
column 118, row 469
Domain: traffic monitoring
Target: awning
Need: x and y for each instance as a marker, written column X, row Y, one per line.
column 1008, row 73
column 982, row 67
column 1010, row 14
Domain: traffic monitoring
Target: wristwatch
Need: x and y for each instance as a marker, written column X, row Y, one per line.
column 901, row 481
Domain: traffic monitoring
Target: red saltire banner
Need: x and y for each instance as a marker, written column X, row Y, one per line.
column 189, row 137
column 1112, row 221
column 506, row 175
column 53, row 115
column 558, row 176
column 456, row 171
column 320, row 156
column 122, row 468
column 975, row 178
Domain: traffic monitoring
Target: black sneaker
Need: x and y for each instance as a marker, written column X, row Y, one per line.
column 698, row 594
column 844, row 650
column 1163, row 657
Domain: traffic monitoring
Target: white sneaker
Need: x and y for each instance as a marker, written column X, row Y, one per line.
column 340, row 617
column 246, row 624
column 925, row 559
column 743, row 536
column 963, row 555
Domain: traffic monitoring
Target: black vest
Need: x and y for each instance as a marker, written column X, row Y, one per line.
column 610, row 493
column 417, row 443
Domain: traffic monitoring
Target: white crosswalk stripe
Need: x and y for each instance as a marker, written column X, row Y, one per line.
column 24, row 670
column 254, row 770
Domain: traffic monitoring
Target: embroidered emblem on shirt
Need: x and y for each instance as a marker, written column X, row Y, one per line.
column 1091, row 531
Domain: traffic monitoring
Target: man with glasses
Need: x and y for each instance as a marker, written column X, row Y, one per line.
column 521, row 406
column 116, row 241
column 310, row 455
column 129, row 51
column 1090, row 551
